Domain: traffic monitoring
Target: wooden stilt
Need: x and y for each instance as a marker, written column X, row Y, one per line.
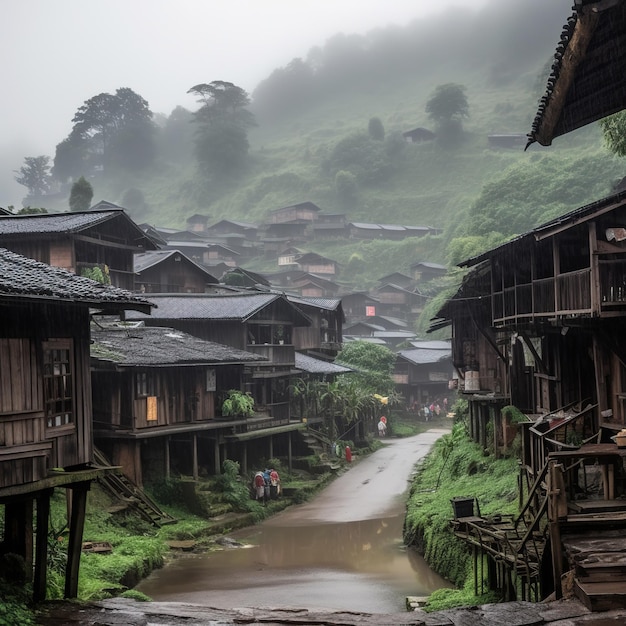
column 289, row 455
column 41, row 546
column 216, row 457
column 77, row 523
column 167, row 457
column 194, row 453
column 18, row 531
column 271, row 447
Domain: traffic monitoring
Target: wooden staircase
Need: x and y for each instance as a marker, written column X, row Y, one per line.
column 130, row 495
column 599, row 564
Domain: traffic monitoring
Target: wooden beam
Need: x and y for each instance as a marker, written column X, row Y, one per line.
column 75, row 544
column 534, row 352
column 194, row 456
column 41, row 546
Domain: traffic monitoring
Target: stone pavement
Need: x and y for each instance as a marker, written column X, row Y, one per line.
column 118, row 611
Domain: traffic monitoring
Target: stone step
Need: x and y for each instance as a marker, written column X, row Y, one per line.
column 601, row 596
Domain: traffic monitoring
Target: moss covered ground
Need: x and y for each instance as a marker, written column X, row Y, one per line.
column 456, row 467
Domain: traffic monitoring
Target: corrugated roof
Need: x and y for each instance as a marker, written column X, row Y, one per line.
column 312, row 365
column 27, row 278
column 157, row 346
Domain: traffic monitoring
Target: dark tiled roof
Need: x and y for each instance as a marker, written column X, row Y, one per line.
column 27, row 278
column 317, row 366
column 206, row 306
column 41, row 223
column 421, row 356
column 587, row 81
column 147, row 260
column 321, row 303
column 148, row 346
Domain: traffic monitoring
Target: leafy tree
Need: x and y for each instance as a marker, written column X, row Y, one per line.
column 367, row 159
column 614, row 133
column 222, row 119
column 346, row 186
column 81, row 195
column 35, row 175
column 30, row 210
column 375, row 129
column 108, row 128
column 373, row 363
column 447, row 106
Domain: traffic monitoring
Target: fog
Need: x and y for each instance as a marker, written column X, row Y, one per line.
column 57, row 54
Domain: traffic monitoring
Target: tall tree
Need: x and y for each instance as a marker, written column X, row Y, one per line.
column 614, row 133
column 447, row 106
column 375, row 129
column 81, row 195
column 222, row 122
column 35, row 175
column 108, row 129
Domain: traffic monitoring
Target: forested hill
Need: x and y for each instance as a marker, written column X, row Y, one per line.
column 314, row 141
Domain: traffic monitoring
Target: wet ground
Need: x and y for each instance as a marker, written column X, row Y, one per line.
column 340, row 551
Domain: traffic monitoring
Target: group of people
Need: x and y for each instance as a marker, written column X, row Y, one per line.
column 266, row 485
column 431, row 410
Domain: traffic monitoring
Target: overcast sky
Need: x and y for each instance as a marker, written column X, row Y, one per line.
column 58, row 53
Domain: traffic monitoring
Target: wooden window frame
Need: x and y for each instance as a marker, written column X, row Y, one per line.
column 59, row 378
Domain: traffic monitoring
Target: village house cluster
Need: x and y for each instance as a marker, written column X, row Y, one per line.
column 125, row 345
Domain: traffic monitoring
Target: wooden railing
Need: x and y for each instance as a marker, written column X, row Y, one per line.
column 277, row 354
column 563, row 295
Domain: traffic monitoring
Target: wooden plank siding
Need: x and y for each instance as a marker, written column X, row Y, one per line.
column 28, row 446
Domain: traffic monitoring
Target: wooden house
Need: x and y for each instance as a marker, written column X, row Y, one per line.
column 359, row 305
column 418, row 135
column 313, row 286
column 295, row 230
column 218, row 252
column 197, row 223
column 45, row 403
column 196, row 250
column 422, row 374
column 397, row 278
column 79, row 241
column 396, row 232
column 330, row 226
column 157, row 396
column 170, row 271
column 317, row 264
column 324, row 335
column 306, row 212
column 223, row 228
column 288, row 256
column 362, row 329
column 423, row 271
column 239, row 277
column 399, row 302
column 258, row 322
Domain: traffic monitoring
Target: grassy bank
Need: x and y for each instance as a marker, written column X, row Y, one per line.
column 456, row 467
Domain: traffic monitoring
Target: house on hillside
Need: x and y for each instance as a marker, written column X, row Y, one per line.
column 397, row 278
column 423, row 271
column 358, row 305
column 418, row 135
column 317, row 264
column 399, row 302
column 397, row 232
column 223, row 228
column 312, row 286
column 157, row 396
column 217, row 252
column 170, row 271
column 238, row 277
column 197, row 223
column 330, row 226
column 79, row 242
column 306, row 212
column 288, row 256
column 422, row 374
column 45, row 404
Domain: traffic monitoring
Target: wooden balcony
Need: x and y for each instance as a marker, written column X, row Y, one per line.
column 277, row 354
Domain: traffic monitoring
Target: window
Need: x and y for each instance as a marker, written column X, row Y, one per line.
column 58, row 384
column 144, row 385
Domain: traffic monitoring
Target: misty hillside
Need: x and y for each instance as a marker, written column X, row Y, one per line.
column 312, row 124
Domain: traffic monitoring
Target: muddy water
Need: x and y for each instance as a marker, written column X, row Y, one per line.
column 342, row 550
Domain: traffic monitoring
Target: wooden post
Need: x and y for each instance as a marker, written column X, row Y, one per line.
column 596, row 296
column 194, row 456
column 41, row 546
column 557, row 508
column 74, row 548
column 167, row 457
column 216, row 456
column 289, row 457
column 271, row 447
column 18, row 531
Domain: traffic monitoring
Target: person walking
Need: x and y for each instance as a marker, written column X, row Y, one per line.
column 274, row 484
column 259, row 487
column 382, row 428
